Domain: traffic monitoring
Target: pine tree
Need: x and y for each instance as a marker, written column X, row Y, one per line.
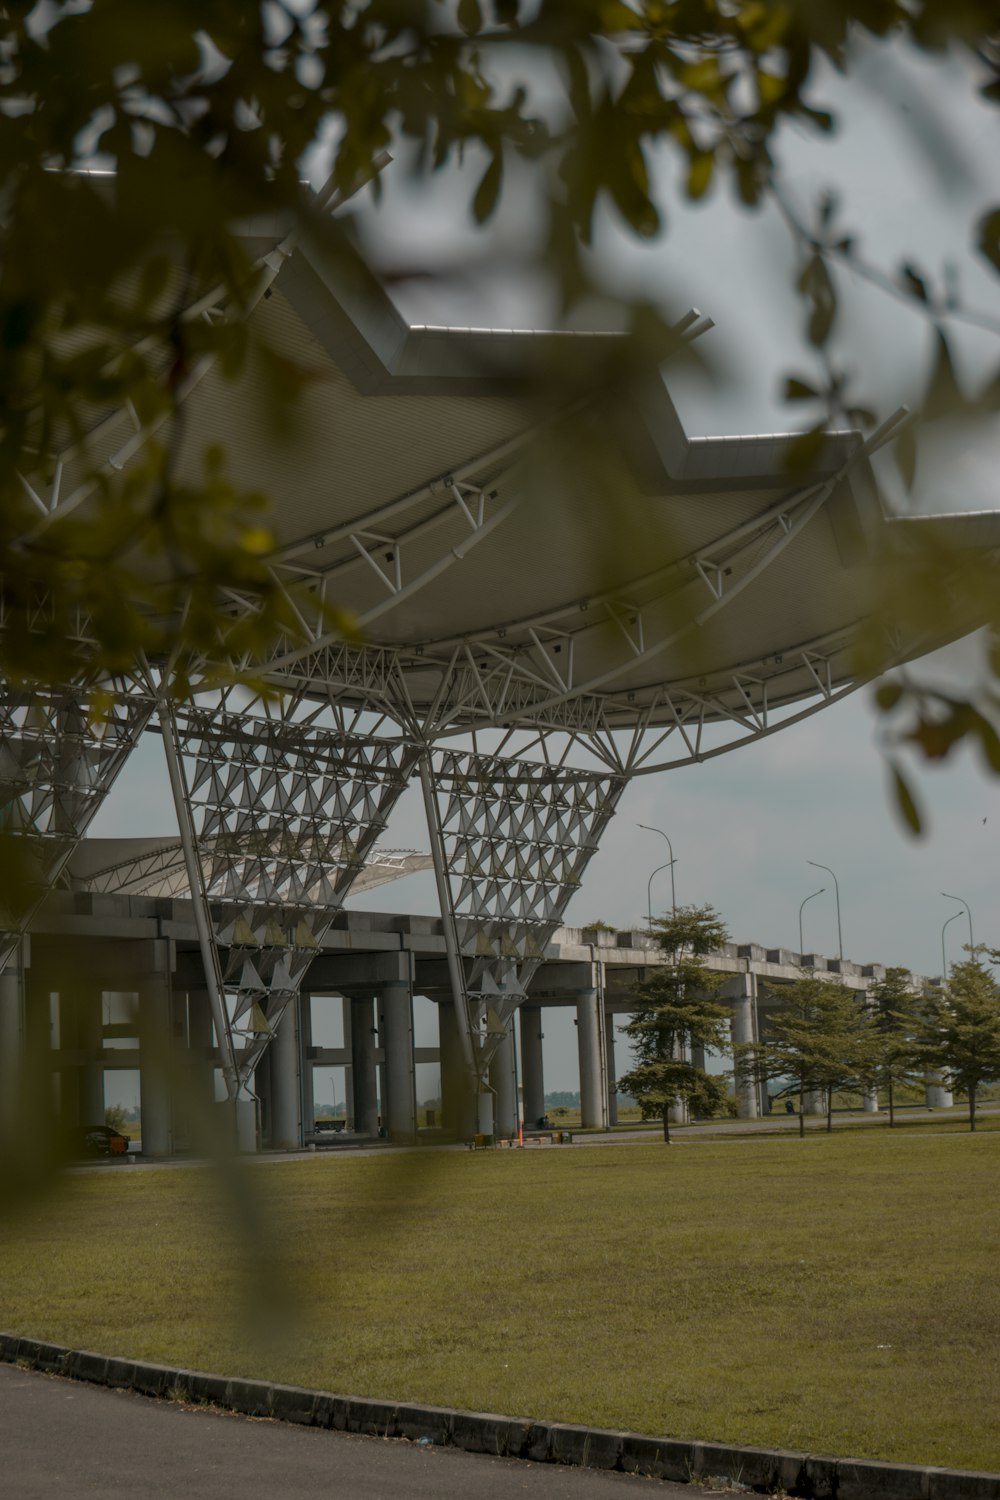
column 676, row 1012
column 961, row 1030
column 819, row 1041
column 895, row 1015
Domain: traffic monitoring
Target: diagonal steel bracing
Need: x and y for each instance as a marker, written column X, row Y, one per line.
column 281, row 815
column 60, row 752
column 512, row 839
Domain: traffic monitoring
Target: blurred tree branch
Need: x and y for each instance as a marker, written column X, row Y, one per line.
column 116, row 293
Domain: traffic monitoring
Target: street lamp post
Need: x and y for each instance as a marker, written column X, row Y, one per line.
column 649, row 889
column 836, row 890
column 673, row 893
column 808, row 898
column 968, row 913
column 944, row 962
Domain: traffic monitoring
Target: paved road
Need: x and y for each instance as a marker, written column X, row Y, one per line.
column 64, row 1438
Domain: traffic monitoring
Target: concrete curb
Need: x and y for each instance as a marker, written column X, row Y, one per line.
column 763, row 1469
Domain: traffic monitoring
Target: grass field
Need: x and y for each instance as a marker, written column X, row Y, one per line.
column 838, row 1294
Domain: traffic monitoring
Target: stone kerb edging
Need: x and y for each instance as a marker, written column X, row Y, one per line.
column 763, row 1469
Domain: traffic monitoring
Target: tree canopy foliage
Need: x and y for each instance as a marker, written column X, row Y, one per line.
column 819, row 1041
column 116, row 295
column 961, row 1030
column 675, row 1013
column 895, row 1014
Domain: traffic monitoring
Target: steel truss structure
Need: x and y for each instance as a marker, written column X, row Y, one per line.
column 511, row 839
column 279, row 816
column 61, row 750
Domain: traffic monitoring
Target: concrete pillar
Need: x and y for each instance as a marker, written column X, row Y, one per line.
column 154, row 1065
column 503, row 1082
column 593, row 1072
column 13, row 1061
column 399, row 1102
column 871, row 1101
column 814, row 1102
column 609, row 1062
column 348, row 1071
column 200, row 1084
column 532, row 1071
column 286, row 1084
column 740, row 994
column 308, row 1104
column 64, row 1035
column 458, row 1102
column 937, row 1090
column 364, row 1066
column 90, row 1039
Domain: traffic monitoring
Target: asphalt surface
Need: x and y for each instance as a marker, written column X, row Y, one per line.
column 65, row 1438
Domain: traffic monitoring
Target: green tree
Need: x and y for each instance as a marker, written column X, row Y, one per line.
column 895, row 1015
column 961, row 1030
column 819, row 1041
column 676, row 1012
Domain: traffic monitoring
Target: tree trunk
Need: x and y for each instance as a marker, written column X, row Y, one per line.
column 972, row 1107
column 892, row 1118
column 802, row 1111
column 666, row 1124
column 829, row 1110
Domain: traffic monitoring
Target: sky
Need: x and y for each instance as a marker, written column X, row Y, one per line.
column 744, row 826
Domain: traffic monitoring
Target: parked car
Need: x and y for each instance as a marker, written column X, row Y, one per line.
column 102, row 1140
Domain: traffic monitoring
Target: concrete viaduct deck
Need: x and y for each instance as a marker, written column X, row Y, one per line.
column 115, row 981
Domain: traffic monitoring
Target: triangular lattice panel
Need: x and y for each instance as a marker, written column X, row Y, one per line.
column 60, row 752
column 517, row 837
column 283, row 815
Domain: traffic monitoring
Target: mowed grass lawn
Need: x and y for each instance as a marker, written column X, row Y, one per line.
column 840, row 1294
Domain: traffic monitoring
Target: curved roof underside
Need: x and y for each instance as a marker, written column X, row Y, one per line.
column 505, row 557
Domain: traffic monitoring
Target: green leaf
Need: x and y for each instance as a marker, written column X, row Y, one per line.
column 988, row 241
column 799, row 390
column 905, row 803
column 887, row 695
column 470, row 17
column 700, row 173
column 804, row 451
column 488, row 190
